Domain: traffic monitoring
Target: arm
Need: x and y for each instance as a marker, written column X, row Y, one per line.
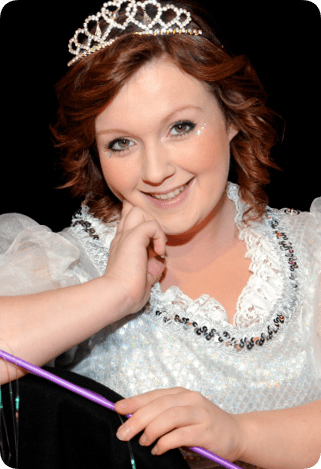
column 280, row 439
column 41, row 326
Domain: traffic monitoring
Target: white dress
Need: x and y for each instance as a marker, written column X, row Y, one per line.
column 270, row 358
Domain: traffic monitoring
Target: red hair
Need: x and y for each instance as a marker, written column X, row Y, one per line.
column 95, row 80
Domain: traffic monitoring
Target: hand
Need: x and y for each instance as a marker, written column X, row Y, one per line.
column 177, row 417
column 134, row 262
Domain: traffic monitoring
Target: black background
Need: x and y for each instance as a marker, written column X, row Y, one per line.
column 282, row 39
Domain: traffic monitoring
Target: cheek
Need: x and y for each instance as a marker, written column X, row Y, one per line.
column 208, row 153
column 119, row 179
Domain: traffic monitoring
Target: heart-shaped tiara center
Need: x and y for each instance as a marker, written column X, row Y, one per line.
column 177, row 20
column 111, row 13
column 148, row 16
column 151, row 13
column 96, row 35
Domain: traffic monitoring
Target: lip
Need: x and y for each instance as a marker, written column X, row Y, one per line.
column 178, row 200
column 168, row 190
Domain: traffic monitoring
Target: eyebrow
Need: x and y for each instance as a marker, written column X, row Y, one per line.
column 183, row 108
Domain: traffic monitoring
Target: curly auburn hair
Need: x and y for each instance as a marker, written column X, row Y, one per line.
column 95, row 80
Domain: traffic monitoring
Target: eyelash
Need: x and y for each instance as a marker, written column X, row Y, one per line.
column 191, row 125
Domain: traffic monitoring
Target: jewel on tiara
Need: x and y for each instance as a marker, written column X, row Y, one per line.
column 110, row 16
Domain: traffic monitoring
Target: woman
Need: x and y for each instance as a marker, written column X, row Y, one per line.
column 139, row 120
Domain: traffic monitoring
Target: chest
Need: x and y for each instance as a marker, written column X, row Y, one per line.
column 223, row 279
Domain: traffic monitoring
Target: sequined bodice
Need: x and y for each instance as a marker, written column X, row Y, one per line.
column 175, row 341
column 266, row 262
column 269, row 358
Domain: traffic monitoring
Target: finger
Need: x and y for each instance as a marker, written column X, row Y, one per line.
column 147, row 413
column 137, row 215
column 183, row 436
column 132, row 404
column 134, row 217
column 157, row 238
column 152, row 231
column 127, row 206
column 131, row 216
column 175, row 417
column 155, row 268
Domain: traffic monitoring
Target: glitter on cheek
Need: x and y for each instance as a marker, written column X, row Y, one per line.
column 198, row 132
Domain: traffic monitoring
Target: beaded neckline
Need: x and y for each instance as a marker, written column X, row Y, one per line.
column 190, row 318
column 218, row 331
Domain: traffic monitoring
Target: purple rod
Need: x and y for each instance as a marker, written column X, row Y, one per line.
column 92, row 396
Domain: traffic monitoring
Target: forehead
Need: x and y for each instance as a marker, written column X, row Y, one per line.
column 161, row 75
column 154, row 92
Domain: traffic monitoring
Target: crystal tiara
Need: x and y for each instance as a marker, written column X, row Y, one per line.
column 108, row 16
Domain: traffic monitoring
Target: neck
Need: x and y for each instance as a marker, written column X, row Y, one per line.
column 193, row 251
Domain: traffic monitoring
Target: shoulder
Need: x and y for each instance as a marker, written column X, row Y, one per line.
column 315, row 210
column 12, row 225
column 300, row 219
column 94, row 235
column 18, row 230
column 85, row 225
column 304, row 229
column 15, row 222
column 34, row 259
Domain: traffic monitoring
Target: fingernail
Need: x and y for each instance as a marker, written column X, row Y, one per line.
column 123, row 433
column 154, row 450
column 121, row 404
column 143, row 439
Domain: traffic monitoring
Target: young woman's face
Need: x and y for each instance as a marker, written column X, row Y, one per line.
column 167, row 136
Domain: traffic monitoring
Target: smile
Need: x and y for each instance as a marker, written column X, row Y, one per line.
column 170, row 195
column 173, row 199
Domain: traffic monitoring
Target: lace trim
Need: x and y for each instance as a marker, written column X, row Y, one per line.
column 94, row 235
column 205, row 316
column 254, row 337
column 265, row 282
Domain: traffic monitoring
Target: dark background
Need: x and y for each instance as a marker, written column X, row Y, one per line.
column 282, row 39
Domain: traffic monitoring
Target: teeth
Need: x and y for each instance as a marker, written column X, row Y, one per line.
column 170, row 195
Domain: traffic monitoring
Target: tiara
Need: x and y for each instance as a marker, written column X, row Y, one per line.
column 108, row 16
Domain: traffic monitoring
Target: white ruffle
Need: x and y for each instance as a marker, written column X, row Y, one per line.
column 177, row 341
column 260, row 292
column 265, row 284
column 33, row 259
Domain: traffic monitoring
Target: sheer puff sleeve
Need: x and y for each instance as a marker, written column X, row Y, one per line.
column 34, row 259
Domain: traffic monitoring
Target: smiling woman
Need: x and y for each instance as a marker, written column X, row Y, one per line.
column 174, row 287
column 240, row 110
column 158, row 158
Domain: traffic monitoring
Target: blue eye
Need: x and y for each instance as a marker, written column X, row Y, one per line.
column 182, row 128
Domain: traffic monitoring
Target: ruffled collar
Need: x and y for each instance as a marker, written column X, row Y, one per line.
column 265, row 280
column 265, row 303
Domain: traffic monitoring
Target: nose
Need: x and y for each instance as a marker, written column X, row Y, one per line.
column 157, row 165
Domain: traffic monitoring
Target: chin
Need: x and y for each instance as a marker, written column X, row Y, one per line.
column 177, row 229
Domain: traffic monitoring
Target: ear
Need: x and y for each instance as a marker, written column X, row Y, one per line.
column 232, row 131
